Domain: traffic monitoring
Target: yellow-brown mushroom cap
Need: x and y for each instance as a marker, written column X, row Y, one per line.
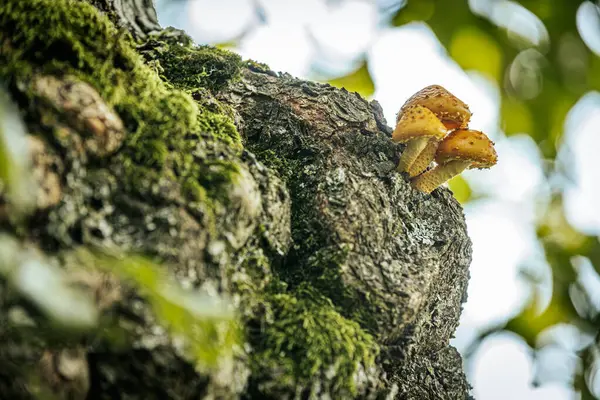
column 452, row 111
column 467, row 145
column 416, row 122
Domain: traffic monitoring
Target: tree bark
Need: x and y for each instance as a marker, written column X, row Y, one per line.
column 236, row 182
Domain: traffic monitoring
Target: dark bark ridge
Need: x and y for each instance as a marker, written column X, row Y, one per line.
column 137, row 16
column 275, row 192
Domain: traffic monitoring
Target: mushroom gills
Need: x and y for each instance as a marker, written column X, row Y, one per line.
column 430, row 180
column 411, row 152
column 423, row 159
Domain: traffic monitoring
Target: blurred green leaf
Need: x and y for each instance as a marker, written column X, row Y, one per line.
column 460, row 188
column 516, row 117
column 16, row 182
column 359, row 81
column 414, row 11
column 229, row 45
column 556, row 233
column 46, row 287
column 470, row 40
column 205, row 323
column 530, row 322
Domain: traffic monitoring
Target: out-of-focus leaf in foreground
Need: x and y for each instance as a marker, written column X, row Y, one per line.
column 359, row 81
column 16, row 181
column 203, row 325
column 461, row 189
column 46, row 286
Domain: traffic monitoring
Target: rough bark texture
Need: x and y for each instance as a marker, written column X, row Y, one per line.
column 275, row 192
column 138, row 16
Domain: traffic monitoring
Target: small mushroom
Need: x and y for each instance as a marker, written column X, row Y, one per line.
column 416, row 127
column 461, row 149
column 449, row 109
column 453, row 112
column 424, row 158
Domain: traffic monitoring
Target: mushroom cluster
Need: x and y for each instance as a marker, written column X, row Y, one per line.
column 434, row 125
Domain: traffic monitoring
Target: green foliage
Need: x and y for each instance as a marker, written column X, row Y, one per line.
column 460, row 188
column 39, row 281
column 205, row 324
column 471, row 40
column 16, row 182
column 359, row 81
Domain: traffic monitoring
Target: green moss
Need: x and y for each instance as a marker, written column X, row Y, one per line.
column 248, row 279
column 165, row 125
column 297, row 337
column 316, row 262
column 324, row 272
column 304, row 340
column 221, row 127
column 193, row 191
column 257, row 66
column 190, row 67
column 286, row 168
column 215, row 175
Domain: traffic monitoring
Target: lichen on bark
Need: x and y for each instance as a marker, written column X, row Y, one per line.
column 236, row 181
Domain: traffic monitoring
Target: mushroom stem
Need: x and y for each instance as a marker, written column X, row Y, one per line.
column 423, row 159
column 411, row 152
column 430, row 180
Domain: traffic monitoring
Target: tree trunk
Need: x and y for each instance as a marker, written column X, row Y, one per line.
column 273, row 194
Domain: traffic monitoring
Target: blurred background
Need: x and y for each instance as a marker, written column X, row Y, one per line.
column 530, row 71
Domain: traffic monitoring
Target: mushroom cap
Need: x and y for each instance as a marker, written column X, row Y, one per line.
column 452, row 111
column 467, row 145
column 418, row 121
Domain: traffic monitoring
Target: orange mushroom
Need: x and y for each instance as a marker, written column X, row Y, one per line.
column 416, row 127
column 450, row 110
column 461, row 149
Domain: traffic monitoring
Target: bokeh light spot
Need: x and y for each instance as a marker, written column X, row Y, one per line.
column 471, row 40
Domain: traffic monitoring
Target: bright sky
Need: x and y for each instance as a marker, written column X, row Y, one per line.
column 299, row 35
